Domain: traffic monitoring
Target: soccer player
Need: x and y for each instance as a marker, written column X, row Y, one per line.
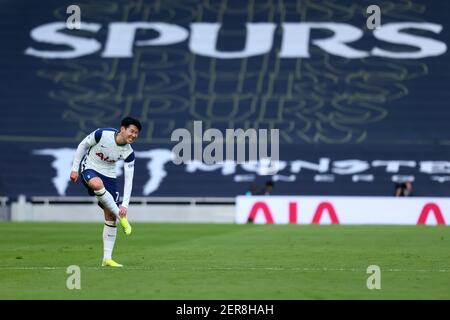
column 95, row 159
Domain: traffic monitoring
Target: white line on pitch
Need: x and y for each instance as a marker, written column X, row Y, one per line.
column 232, row 269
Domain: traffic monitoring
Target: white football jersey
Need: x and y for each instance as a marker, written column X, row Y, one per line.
column 104, row 152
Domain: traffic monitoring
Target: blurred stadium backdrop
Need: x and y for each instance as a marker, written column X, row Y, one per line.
column 358, row 110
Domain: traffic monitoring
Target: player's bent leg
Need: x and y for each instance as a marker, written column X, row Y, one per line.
column 108, row 202
column 105, row 198
column 109, row 238
column 95, row 183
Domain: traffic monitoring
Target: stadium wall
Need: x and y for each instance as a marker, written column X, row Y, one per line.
column 4, row 209
column 176, row 210
column 343, row 210
column 245, row 209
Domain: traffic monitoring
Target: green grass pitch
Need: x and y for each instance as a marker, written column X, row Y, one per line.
column 225, row 261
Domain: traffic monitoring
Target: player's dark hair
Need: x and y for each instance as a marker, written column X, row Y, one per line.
column 127, row 121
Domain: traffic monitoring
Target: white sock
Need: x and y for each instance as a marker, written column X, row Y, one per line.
column 109, row 238
column 107, row 200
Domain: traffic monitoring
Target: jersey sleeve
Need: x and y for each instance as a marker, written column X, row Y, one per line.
column 91, row 140
column 128, row 183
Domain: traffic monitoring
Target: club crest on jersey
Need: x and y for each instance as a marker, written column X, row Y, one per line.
column 102, row 157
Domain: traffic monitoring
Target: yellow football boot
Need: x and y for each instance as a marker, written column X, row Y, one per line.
column 126, row 225
column 111, row 263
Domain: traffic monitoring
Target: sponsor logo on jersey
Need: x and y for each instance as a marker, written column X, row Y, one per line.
column 104, row 158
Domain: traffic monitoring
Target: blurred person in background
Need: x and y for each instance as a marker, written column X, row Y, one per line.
column 268, row 189
column 403, row 189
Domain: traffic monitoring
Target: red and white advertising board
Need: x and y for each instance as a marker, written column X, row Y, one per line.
column 342, row 210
